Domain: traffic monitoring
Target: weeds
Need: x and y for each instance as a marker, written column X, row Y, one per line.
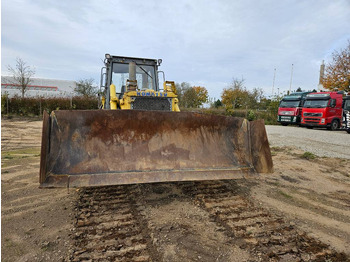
column 284, row 194
column 308, row 155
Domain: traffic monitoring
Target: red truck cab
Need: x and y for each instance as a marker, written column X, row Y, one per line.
column 323, row 109
column 290, row 107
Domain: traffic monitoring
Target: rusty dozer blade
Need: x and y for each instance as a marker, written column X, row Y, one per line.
column 112, row 147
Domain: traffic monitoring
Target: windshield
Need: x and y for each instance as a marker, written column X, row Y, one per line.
column 347, row 105
column 316, row 103
column 145, row 76
column 289, row 103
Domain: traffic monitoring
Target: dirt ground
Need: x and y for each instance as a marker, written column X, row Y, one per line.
column 314, row 194
column 35, row 223
column 165, row 222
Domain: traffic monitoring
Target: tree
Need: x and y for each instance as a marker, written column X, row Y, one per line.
column 201, row 95
column 217, row 104
column 337, row 74
column 235, row 96
column 255, row 97
column 86, row 88
column 22, row 75
column 191, row 97
column 181, row 89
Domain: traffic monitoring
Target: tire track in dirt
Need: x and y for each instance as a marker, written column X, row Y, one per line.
column 106, row 227
column 182, row 231
column 196, row 221
column 314, row 194
column 20, row 134
column 267, row 235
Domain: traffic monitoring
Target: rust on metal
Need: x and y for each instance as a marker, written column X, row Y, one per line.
column 107, row 147
column 44, row 147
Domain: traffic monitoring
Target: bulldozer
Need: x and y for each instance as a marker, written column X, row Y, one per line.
column 139, row 135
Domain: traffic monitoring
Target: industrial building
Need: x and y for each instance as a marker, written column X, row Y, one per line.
column 38, row 87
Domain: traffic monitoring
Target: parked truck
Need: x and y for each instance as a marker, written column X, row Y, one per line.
column 290, row 107
column 323, row 109
column 346, row 113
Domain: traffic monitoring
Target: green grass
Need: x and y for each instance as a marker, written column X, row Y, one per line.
column 308, row 156
column 21, row 153
column 13, row 247
column 284, row 194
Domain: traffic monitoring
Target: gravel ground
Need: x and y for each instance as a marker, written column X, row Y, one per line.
column 320, row 142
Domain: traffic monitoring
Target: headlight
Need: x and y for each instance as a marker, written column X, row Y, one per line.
column 323, row 121
column 302, row 119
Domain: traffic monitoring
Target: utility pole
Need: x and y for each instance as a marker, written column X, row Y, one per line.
column 273, row 82
column 291, row 79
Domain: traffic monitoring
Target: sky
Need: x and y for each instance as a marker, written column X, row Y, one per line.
column 202, row 42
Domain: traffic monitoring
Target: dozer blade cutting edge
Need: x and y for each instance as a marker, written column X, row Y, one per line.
column 112, row 147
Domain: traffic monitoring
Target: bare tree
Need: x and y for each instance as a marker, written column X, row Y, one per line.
column 22, row 74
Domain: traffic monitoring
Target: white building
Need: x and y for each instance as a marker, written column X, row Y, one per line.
column 38, row 87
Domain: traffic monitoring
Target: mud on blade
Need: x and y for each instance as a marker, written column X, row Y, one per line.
column 110, row 147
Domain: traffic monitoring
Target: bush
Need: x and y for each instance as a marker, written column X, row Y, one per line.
column 32, row 105
column 308, row 155
column 251, row 115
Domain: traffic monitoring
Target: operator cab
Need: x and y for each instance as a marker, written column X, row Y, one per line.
column 117, row 72
column 145, row 76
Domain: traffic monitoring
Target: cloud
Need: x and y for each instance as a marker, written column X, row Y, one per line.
column 201, row 42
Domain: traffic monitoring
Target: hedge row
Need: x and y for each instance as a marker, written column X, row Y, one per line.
column 30, row 106
column 36, row 105
column 269, row 115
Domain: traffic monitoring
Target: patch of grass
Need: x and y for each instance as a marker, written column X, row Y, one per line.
column 273, row 183
column 284, row 194
column 13, row 247
column 277, row 148
column 21, row 153
column 46, row 246
column 308, row 155
column 33, row 151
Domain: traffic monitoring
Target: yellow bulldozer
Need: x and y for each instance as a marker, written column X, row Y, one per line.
column 139, row 135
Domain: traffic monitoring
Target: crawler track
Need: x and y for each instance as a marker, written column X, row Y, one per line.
column 109, row 225
column 267, row 236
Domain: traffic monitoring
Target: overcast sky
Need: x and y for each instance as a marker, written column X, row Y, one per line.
column 205, row 43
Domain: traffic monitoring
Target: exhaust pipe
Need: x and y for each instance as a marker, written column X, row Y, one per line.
column 132, row 82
